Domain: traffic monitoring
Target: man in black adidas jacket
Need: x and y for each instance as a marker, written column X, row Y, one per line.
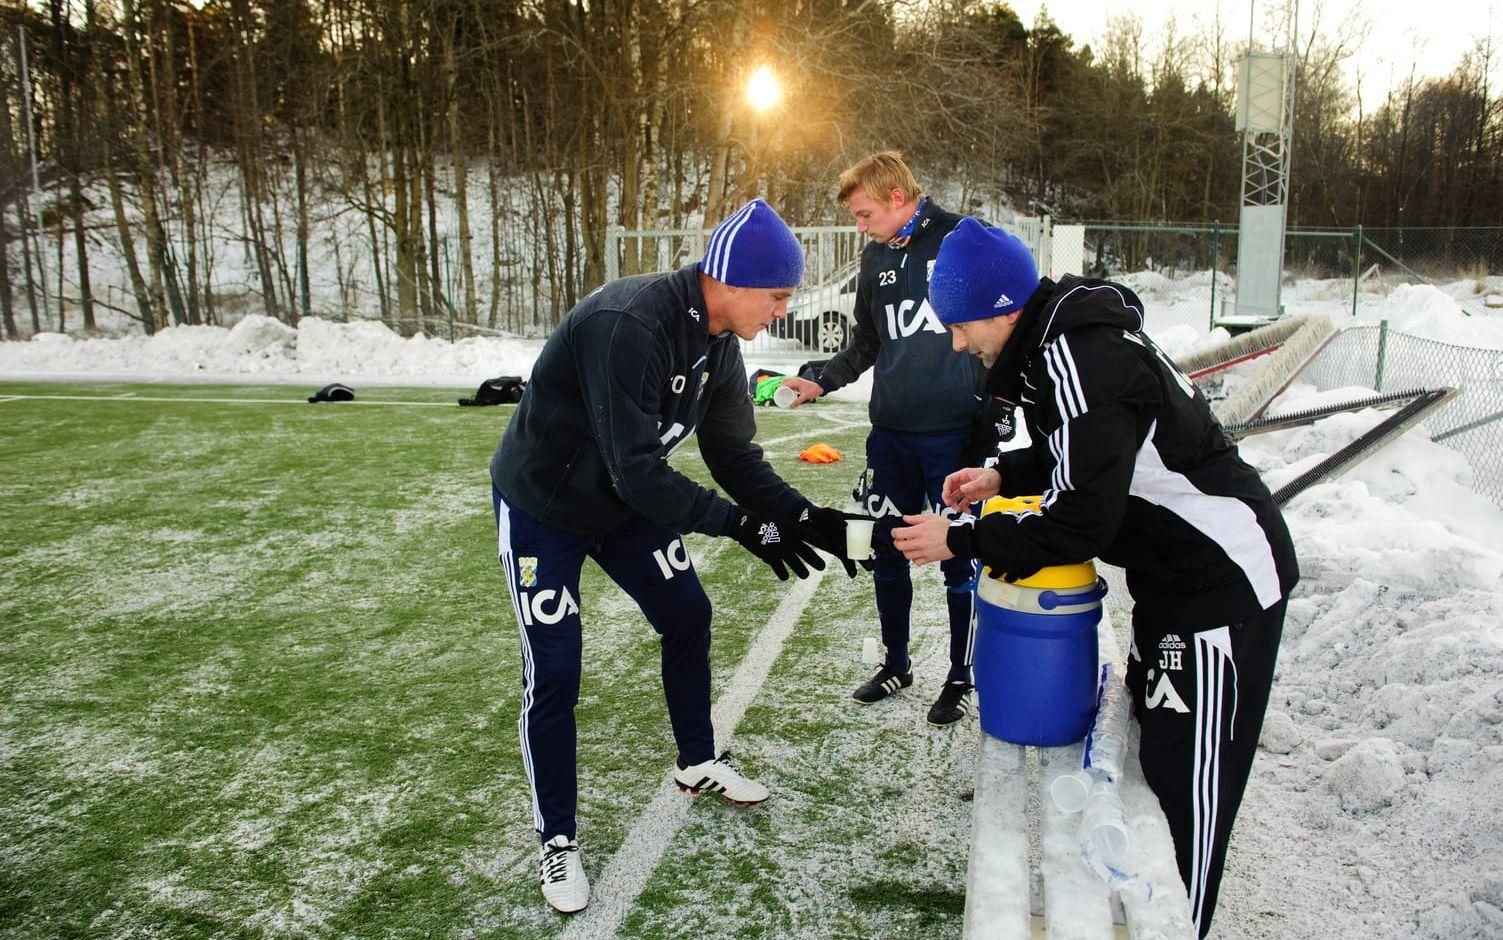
column 925, row 401
column 1134, row 470
column 629, row 375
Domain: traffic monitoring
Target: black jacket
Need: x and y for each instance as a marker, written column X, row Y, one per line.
column 1132, row 466
column 629, row 375
column 921, row 384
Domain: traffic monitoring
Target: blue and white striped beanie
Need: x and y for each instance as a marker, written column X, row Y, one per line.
column 754, row 248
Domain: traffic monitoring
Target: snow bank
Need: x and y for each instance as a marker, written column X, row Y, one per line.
column 1374, row 807
column 265, row 349
column 1433, row 313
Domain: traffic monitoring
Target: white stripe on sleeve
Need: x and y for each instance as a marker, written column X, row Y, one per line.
column 1225, row 520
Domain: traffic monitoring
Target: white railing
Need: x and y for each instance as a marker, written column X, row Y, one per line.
column 819, row 317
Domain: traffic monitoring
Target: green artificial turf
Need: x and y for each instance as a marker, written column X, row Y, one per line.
column 258, row 678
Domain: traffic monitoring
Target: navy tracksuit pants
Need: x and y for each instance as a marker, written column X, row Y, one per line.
column 905, row 474
column 541, row 564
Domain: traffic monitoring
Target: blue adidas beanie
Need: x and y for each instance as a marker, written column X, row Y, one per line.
column 754, row 248
column 980, row 272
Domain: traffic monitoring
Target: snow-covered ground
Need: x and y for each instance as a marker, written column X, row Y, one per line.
column 266, row 350
column 1375, row 808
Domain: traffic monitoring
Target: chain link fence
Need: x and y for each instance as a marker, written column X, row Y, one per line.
column 1186, row 273
column 1472, row 424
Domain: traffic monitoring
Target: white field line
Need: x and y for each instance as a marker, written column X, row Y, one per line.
column 10, row 398
column 807, row 433
column 230, row 401
column 628, row 871
column 834, row 422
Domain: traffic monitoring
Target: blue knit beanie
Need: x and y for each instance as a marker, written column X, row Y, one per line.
column 980, row 272
column 754, row 248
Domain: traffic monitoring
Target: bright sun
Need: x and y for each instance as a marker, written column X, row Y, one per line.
column 763, row 90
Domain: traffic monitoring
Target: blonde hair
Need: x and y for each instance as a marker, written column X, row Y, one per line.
column 879, row 174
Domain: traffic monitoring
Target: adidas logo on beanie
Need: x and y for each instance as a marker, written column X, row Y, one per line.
column 980, row 272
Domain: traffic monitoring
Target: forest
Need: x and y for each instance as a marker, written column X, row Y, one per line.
column 466, row 146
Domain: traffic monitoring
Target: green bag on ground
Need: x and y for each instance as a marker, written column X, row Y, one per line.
column 767, row 386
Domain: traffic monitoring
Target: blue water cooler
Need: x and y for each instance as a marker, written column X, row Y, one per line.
column 1036, row 650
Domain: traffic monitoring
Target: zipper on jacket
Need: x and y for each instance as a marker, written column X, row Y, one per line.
column 563, row 474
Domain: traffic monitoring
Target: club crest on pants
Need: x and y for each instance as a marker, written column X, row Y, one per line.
column 1162, row 694
column 527, row 571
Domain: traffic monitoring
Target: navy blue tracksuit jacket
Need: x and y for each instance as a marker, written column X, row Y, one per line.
column 629, row 375
column 925, row 398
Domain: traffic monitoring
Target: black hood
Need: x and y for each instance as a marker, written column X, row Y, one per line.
column 1059, row 307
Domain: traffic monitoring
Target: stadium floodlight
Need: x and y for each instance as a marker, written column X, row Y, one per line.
column 1265, row 118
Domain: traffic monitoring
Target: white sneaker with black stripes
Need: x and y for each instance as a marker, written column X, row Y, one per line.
column 718, row 776
column 561, row 873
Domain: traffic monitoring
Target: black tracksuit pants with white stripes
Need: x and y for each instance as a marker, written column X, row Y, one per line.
column 541, row 564
column 1199, row 694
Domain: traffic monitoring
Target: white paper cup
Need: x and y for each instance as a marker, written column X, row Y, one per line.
column 869, row 650
column 784, row 396
column 858, row 538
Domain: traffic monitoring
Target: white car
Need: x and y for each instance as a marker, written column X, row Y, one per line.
column 820, row 317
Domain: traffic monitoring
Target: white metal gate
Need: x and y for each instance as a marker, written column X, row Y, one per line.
column 820, row 314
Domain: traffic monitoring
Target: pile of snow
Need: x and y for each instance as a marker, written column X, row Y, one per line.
column 265, row 349
column 1463, row 313
column 1422, row 310
column 1373, row 810
column 1177, row 312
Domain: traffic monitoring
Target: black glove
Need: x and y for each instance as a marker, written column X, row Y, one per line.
column 827, row 531
column 783, row 545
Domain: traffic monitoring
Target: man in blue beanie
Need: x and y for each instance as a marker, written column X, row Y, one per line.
column 630, row 375
column 1134, row 470
column 924, row 410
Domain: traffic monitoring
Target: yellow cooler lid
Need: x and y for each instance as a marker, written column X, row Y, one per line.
column 1055, row 577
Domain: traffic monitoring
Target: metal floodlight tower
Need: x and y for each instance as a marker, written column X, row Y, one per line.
column 1265, row 116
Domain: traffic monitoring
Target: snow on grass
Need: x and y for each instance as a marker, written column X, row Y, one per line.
column 260, row 347
column 272, row 665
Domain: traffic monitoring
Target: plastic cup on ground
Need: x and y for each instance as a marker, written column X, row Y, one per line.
column 784, row 397
column 1070, row 791
column 858, row 538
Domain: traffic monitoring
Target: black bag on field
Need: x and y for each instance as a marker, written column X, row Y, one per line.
column 502, row 390
column 334, row 391
column 811, row 369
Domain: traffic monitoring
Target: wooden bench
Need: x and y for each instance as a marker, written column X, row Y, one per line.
column 1026, row 877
